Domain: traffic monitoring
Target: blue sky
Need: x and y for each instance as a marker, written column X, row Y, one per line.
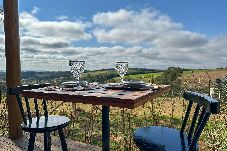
column 152, row 34
column 205, row 16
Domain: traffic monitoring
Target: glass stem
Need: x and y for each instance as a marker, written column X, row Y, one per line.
column 78, row 80
column 122, row 79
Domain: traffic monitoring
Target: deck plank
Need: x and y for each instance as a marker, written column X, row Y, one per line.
column 21, row 144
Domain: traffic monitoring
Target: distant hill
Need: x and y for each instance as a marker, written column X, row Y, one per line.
column 101, row 76
column 111, row 75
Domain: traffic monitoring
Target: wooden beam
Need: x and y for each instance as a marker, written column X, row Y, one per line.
column 13, row 69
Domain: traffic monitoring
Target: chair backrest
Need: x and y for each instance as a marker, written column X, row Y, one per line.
column 26, row 113
column 205, row 105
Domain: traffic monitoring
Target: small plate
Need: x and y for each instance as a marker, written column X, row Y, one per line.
column 74, row 84
column 51, row 88
column 121, row 86
column 134, row 82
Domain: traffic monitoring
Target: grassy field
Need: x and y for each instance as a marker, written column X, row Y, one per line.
column 212, row 73
column 167, row 111
column 200, row 78
column 147, row 77
column 86, row 125
column 192, row 75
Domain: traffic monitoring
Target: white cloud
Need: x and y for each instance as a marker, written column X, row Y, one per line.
column 35, row 10
column 147, row 26
column 165, row 41
column 42, row 42
column 46, row 40
column 62, row 30
column 62, row 17
column 145, row 38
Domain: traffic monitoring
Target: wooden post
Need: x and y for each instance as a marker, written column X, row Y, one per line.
column 13, row 70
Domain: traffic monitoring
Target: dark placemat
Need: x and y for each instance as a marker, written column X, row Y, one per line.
column 80, row 88
column 118, row 86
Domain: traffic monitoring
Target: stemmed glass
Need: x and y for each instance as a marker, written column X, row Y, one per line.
column 122, row 68
column 77, row 69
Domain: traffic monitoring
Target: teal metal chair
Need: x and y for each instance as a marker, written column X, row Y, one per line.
column 158, row 138
column 37, row 123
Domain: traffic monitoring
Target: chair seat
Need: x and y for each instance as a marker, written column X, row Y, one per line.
column 157, row 138
column 41, row 125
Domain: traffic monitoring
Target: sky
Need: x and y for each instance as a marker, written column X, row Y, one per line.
column 147, row 34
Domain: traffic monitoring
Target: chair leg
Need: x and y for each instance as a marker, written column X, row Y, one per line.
column 31, row 141
column 63, row 142
column 47, row 141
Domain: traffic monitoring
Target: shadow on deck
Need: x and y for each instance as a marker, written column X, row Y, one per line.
column 21, row 144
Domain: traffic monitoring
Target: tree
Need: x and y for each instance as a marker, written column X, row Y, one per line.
column 171, row 77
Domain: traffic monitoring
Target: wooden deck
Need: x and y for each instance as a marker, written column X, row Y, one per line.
column 21, row 144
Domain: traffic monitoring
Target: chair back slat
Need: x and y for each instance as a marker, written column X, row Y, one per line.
column 182, row 142
column 199, row 131
column 20, row 105
column 36, row 108
column 28, row 116
column 195, row 116
column 200, row 118
column 45, row 108
column 28, row 109
column 186, row 116
column 208, row 106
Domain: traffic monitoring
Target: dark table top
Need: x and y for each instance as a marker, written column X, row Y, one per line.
column 101, row 96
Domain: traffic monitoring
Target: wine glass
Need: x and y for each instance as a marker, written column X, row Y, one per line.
column 122, row 68
column 77, row 69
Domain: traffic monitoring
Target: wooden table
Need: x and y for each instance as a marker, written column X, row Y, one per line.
column 105, row 97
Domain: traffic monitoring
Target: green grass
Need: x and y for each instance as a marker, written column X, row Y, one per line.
column 145, row 77
column 202, row 71
column 194, row 71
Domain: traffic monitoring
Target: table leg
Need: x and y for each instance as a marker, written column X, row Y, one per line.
column 105, row 128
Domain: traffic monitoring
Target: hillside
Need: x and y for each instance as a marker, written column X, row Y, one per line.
column 202, row 77
column 146, row 77
column 111, row 75
column 91, row 76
